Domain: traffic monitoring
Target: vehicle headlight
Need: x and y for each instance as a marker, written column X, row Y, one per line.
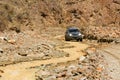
column 79, row 34
column 70, row 34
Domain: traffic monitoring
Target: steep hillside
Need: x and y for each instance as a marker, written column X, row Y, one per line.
column 31, row 14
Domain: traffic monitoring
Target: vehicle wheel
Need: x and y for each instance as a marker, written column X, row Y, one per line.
column 78, row 39
column 81, row 39
column 66, row 39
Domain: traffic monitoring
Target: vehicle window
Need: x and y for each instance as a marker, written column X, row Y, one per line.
column 74, row 30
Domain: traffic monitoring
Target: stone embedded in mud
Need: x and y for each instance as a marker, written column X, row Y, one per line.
column 39, row 78
column 100, row 68
column 22, row 54
column 62, row 74
column 51, row 78
column 83, row 78
column 4, row 38
column 1, row 50
column 1, row 71
column 72, row 67
column 117, row 40
column 44, row 73
column 82, row 58
column 69, row 73
column 12, row 41
column 67, row 55
column 90, row 51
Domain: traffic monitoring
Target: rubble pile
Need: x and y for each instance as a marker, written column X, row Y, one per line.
column 102, row 34
column 38, row 52
column 88, row 68
column 27, row 46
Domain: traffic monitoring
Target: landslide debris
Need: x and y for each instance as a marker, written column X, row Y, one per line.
column 91, row 67
column 29, row 46
column 102, row 34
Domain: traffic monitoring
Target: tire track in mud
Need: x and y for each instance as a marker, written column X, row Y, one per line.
column 114, row 51
column 20, row 71
column 113, row 55
column 112, row 58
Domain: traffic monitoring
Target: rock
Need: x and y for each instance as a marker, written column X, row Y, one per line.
column 82, row 58
column 62, row 74
column 89, row 51
column 71, row 67
column 12, row 41
column 80, row 66
column 4, row 38
column 83, row 78
column 117, row 40
column 51, row 78
column 44, row 73
column 1, row 71
column 69, row 73
column 22, row 54
column 1, row 50
column 39, row 78
column 100, row 68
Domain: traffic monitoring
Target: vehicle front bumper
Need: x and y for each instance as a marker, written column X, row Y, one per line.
column 74, row 37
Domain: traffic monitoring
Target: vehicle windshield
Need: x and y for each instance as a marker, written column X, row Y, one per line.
column 73, row 30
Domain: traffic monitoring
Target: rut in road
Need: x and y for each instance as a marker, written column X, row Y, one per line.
column 111, row 54
column 20, row 71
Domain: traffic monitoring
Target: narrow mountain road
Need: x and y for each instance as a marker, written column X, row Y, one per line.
column 21, row 71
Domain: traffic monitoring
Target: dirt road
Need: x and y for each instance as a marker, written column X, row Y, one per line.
column 21, row 71
column 112, row 57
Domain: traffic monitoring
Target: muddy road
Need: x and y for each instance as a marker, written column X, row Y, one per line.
column 112, row 57
column 20, row 71
column 23, row 70
column 26, row 70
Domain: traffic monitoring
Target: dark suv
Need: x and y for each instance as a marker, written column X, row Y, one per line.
column 73, row 33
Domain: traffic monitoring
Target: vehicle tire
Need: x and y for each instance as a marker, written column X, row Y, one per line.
column 81, row 39
column 66, row 39
column 78, row 39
